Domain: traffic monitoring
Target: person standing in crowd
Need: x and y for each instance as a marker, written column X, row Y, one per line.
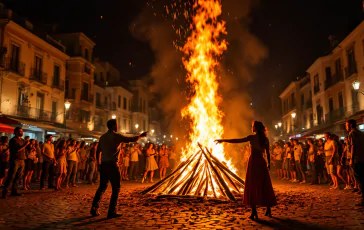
column 330, row 152
column 345, row 161
column 298, row 152
column 151, row 164
column 125, row 163
column 338, row 159
column 134, row 161
column 48, row 163
column 4, row 159
column 356, row 148
column 30, row 163
column 92, row 163
column 320, row 162
column 17, row 147
column 277, row 154
column 61, row 152
column 109, row 171
column 72, row 160
column 285, row 166
column 163, row 161
column 258, row 186
column 38, row 171
column 82, row 163
column 311, row 160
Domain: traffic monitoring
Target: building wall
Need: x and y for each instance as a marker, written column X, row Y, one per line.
column 24, row 82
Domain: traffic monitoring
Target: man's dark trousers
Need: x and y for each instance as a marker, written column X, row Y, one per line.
column 109, row 172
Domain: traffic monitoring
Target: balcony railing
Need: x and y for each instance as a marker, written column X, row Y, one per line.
column 87, row 98
column 58, row 84
column 38, row 75
column 335, row 115
column 350, row 70
column 100, row 83
column 15, row 66
column 333, row 80
column 30, row 112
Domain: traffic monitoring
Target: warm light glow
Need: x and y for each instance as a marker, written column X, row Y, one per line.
column 164, row 136
column 171, row 136
column 176, row 138
column 67, row 104
column 152, row 130
column 113, row 116
column 293, row 115
column 280, row 124
column 276, row 126
column 136, row 126
column 356, row 85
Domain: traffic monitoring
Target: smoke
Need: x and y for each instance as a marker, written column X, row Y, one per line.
column 245, row 52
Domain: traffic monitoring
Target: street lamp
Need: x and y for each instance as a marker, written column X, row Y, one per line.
column 356, row 87
column 113, row 116
column 152, row 131
column 136, row 126
column 293, row 117
column 164, row 136
column 280, row 124
column 67, row 105
column 276, row 126
column 176, row 138
column 171, row 136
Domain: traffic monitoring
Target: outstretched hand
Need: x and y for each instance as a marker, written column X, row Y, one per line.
column 144, row 134
column 219, row 141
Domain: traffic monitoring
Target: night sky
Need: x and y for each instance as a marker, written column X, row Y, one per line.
column 295, row 32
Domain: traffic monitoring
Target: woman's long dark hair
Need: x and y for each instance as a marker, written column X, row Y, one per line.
column 260, row 130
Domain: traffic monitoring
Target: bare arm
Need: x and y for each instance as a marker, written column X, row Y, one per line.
column 267, row 150
column 242, row 140
column 333, row 151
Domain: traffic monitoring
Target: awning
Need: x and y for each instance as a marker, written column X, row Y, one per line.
column 6, row 129
column 39, row 125
column 8, row 121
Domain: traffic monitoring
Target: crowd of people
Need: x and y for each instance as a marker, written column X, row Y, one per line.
column 64, row 163
column 328, row 160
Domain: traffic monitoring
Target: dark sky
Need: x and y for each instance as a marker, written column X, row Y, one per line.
column 295, row 32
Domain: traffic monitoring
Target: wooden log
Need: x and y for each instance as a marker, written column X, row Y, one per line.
column 185, row 187
column 212, row 182
column 220, row 180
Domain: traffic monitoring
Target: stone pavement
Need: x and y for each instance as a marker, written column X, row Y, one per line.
column 299, row 207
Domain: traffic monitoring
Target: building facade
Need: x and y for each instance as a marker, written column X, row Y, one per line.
column 33, row 70
column 140, row 106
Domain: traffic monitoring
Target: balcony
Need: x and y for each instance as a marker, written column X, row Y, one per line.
column 113, row 108
column 333, row 80
column 38, row 76
column 335, row 115
column 350, row 70
column 87, row 98
column 100, row 83
column 34, row 113
column 99, row 105
column 14, row 66
column 58, row 84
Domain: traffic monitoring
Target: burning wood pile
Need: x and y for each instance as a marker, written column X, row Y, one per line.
column 201, row 175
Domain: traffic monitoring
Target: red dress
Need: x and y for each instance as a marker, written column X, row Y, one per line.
column 258, row 186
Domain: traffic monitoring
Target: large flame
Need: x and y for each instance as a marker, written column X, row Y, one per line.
column 203, row 49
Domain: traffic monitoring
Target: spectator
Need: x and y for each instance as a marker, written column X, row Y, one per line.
column 82, row 163
column 356, row 148
column 311, row 160
column 320, row 162
column 17, row 147
column 134, row 161
column 151, row 164
column 277, row 154
column 125, row 164
column 345, row 161
column 286, row 162
column 92, row 162
column 61, row 152
column 163, row 161
column 4, row 159
column 38, row 168
column 30, row 163
column 72, row 160
column 298, row 152
column 331, row 159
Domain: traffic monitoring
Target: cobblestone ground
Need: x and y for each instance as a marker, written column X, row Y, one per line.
column 300, row 207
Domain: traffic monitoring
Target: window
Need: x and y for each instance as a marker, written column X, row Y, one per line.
column 341, row 100
column 14, row 58
column 351, row 69
column 316, row 86
column 119, row 101
column 56, row 75
column 293, row 101
column 66, row 88
column 331, row 104
column 328, row 75
column 124, row 104
column 38, row 63
column 84, row 91
column 86, row 55
column 54, row 110
column 95, row 76
column 98, row 99
column 102, row 77
column 338, row 70
column 124, row 124
column 106, row 101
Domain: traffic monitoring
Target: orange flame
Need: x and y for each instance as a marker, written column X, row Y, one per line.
column 203, row 49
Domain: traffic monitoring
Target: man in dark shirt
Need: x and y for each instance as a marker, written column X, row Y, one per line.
column 356, row 150
column 17, row 147
column 109, row 171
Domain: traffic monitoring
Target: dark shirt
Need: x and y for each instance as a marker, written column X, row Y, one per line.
column 109, row 145
column 14, row 145
column 356, row 145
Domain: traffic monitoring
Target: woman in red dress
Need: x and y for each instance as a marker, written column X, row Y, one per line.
column 258, row 186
